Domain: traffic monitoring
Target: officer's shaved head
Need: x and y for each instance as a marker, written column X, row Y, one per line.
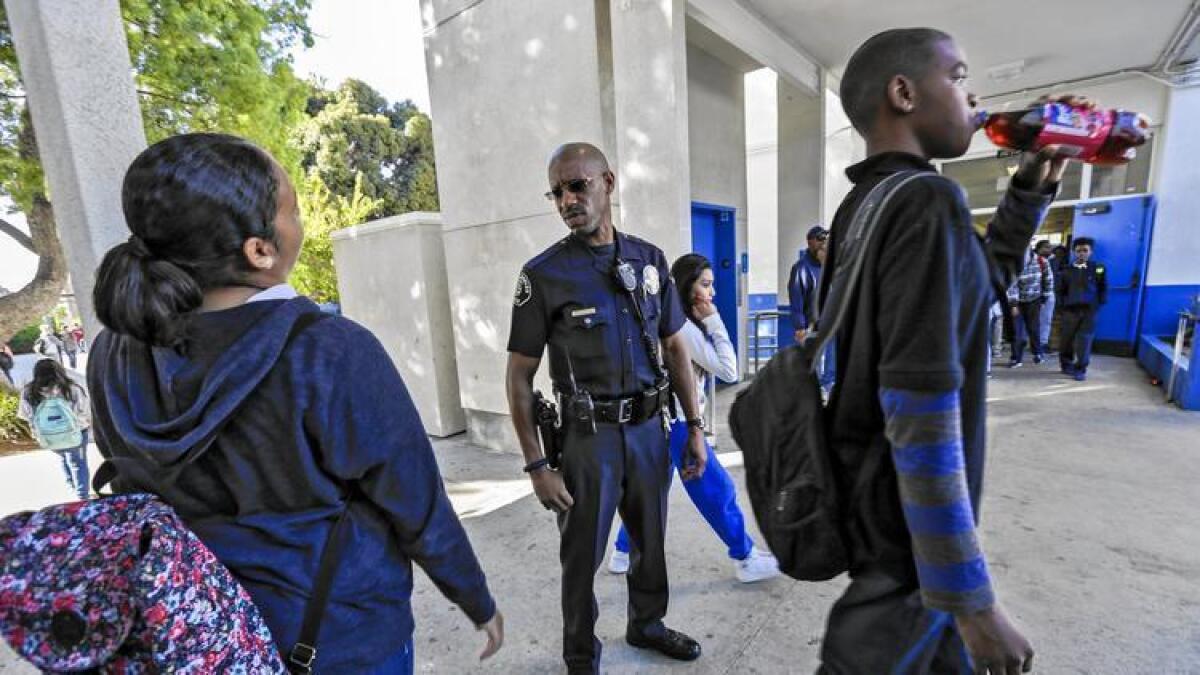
column 588, row 154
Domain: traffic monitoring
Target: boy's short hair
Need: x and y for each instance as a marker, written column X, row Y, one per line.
column 1044, row 242
column 900, row 51
column 1083, row 241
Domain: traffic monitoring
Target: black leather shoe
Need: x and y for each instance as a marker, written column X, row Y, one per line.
column 671, row 643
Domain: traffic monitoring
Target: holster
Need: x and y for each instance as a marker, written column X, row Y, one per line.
column 545, row 415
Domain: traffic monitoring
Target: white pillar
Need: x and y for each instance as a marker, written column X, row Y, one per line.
column 800, row 174
column 407, row 306
column 1176, row 248
column 508, row 82
column 649, row 66
column 75, row 66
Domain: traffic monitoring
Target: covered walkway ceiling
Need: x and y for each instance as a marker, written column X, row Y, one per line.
column 1058, row 41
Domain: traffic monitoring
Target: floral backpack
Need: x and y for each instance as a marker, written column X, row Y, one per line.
column 121, row 585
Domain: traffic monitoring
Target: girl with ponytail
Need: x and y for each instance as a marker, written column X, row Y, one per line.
column 215, row 387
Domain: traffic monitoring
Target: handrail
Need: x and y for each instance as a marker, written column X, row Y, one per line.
column 1186, row 319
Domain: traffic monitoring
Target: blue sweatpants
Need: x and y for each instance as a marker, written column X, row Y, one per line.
column 714, row 496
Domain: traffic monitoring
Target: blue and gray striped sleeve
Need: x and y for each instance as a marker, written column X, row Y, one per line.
column 925, row 431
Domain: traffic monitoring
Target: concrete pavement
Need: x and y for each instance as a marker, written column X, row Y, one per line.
column 1089, row 520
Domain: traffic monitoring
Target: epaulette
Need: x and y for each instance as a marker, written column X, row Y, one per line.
column 546, row 255
column 642, row 242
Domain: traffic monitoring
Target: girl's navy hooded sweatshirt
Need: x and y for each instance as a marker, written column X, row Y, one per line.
column 271, row 440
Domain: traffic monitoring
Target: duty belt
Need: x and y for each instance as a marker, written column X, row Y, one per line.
column 635, row 409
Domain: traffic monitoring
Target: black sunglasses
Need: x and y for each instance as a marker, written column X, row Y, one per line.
column 576, row 186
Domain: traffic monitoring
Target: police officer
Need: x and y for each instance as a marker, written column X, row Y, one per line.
column 1083, row 289
column 604, row 303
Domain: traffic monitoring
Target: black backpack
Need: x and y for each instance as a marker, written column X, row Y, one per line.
column 779, row 424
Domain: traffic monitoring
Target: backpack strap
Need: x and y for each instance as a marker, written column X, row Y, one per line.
column 851, row 254
column 302, row 655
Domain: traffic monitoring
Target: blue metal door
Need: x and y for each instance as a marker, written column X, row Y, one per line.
column 1121, row 228
column 714, row 236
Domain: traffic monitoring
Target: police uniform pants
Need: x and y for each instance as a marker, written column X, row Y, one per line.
column 880, row 626
column 1078, row 330
column 626, row 468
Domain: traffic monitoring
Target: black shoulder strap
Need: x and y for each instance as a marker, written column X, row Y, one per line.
column 302, row 655
column 851, row 253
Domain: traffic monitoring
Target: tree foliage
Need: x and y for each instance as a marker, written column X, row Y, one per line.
column 355, row 132
column 224, row 65
column 199, row 65
column 323, row 213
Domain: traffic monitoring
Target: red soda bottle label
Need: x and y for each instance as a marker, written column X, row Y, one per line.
column 1078, row 131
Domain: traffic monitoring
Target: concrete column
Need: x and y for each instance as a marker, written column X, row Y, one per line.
column 406, row 306
column 649, row 69
column 800, row 173
column 508, row 82
column 717, row 132
column 1176, row 248
column 75, row 67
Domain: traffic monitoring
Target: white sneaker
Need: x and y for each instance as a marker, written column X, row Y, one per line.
column 618, row 563
column 758, row 566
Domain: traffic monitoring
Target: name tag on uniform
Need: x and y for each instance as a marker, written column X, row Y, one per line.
column 586, row 311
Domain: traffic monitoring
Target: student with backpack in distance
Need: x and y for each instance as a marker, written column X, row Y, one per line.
column 906, row 422
column 266, row 425
column 59, row 416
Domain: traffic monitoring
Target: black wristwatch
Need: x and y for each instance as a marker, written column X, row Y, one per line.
column 697, row 423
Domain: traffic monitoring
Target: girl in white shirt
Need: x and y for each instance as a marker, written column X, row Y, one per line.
column 713, row 493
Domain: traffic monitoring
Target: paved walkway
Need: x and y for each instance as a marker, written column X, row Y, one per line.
column 1089, row 520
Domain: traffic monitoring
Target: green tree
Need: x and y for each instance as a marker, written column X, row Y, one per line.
column 199, row 65
column 353, row 131
column 323, row 213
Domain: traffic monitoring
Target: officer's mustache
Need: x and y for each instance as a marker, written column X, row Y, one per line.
column 574, row 211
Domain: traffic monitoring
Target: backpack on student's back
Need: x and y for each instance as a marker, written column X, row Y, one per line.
column 55, row 425
column 121, row 585
column 779, row 423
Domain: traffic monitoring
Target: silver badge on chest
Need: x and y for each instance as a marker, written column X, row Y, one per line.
column 650, row 282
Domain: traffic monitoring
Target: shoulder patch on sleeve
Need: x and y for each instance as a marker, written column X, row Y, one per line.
column 524, row 290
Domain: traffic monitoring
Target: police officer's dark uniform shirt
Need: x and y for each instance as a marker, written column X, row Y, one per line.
column 567, row 297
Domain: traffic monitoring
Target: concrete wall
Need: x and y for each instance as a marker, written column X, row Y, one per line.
column 407, row 306
column 801, row 167
column 843, row 148
column 650, row 107
column 508, row 83
column 1175, row 253
column 717, row 141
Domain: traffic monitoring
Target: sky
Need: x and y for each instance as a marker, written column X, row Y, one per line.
column 376, row 41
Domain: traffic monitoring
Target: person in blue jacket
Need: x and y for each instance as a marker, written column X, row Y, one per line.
column 1083, row 289
column 803, row 287
column 261, row 436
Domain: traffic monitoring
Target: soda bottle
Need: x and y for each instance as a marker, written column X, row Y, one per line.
column 1095, row 136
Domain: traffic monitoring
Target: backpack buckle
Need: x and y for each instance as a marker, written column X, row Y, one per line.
column 302, row 657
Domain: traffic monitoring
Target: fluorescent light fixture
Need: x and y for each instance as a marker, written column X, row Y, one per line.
column 1006, row 71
